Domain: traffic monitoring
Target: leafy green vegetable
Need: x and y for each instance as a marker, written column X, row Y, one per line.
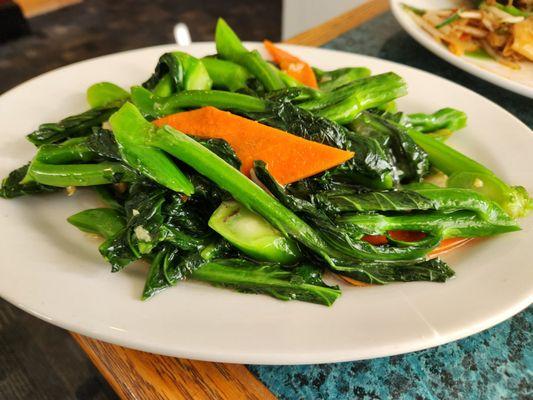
column 105, row 222
column 464, row 224
column 102, row 143
column 433, row 270
column 343, row 200
column 446, row 200
column 446, row 118
column 106, row 94
column 178, row 71
column 226, row 177
column 331, row 80
column 65, row 175
column 154, row 106
column 409, row 160
column 467, row 173
column 241, row 188
column 480, row 53
column 153, row 217
column 226, row 74
column 110, row 197
column 77, row 125
column 251, row 234
column 99, row 146
column 130, row 128
column 222, row 149
column 230, row 47
column 339, row 246
column 65, row 164
column 346, row 102
column 303, row 283
column 12, row 186
column 71, row 150
column 170, row 265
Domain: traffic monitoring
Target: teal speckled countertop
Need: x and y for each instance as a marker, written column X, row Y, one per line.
column 494, row 364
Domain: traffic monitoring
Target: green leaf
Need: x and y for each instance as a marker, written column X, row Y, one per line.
column 74, row 126
column 252, row 234
column 131, row 130
column 303, row 283
column 106, row 94
column 106, row 222
column 12, row 186
column 178, row 71
column 433, row 270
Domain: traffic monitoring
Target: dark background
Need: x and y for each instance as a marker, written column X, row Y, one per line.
column 38, row 360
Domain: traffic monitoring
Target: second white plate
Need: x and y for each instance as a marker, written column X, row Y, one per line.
column 519, row 81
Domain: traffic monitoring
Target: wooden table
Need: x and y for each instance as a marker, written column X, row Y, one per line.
column 138, row 375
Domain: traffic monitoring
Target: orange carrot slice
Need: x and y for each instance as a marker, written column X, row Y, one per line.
column 414, row 236
column 376, row 240
column 289, row 157
column 292, row 65
column 405, row 236
column 354, row 282
column 448, row 245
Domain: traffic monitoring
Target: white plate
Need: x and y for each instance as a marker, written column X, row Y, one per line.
column 519, row 81
column 53, row 271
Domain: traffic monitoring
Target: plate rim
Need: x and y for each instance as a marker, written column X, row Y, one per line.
column 261, row 358
column 459, row 62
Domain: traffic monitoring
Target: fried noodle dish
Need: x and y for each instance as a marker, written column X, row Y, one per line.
column 502, row 30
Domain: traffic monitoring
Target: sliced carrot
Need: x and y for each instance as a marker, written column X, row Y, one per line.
column 279, row 55
column 404, row 236
column 376, row 240
column 354, row 281
column 407, row 236
column 448, row 245
column 414, row 236
column 289, row 157
column 292, row 65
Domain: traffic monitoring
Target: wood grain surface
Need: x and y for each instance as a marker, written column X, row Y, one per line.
column 335, row 27
column 139, row 375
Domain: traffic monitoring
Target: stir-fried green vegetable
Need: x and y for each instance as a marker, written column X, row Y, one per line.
column 466, row 173
column 130, row 128
column 251, row 234
column 226, row 74
column 230, row 47
column 178, row 71
column 446, row 118
column 77, row 125
column 105, row 94
column 302, row 283
column 182, row 204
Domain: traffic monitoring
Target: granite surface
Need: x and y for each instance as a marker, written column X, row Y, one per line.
column 495, row 364
column 40, row 361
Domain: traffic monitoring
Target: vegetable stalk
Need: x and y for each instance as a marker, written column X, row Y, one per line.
column 230, row 47
column 463, row 172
